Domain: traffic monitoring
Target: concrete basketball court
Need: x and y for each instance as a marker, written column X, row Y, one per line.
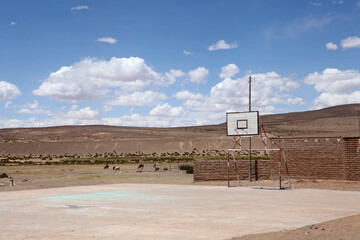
column 157, row 211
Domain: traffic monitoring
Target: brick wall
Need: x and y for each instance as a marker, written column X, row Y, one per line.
column 314, row 158
column 212, row 170
column 352, row 158
column 318, row 158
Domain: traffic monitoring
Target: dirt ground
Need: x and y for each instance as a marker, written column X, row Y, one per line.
column 38, row 177
column 344, row 228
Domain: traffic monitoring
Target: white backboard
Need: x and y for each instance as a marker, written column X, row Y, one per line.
column 242, row 123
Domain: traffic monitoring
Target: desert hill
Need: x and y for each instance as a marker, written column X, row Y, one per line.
column 335, row 121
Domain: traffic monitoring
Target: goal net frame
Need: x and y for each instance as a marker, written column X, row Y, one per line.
column 257, row 131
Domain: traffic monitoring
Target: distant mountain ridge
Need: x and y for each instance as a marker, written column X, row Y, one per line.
column 338, row 121
column 348, row 110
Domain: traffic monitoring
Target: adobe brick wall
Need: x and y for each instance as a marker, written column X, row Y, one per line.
column 318, row 158
column 213, row 170
column 352, row 158
column 314, row 158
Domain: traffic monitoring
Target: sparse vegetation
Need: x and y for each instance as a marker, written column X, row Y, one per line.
column 122, row 158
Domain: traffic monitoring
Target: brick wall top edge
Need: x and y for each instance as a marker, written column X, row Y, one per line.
column 295, row 138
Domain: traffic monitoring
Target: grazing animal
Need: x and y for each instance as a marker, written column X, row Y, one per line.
column 106, row 166
column 117, row 168
column 140, row 168
column 11, row 181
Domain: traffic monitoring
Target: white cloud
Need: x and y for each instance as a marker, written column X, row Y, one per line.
column 173, row 74
column 316, row 4
column 107, row 108
column 222, row 45
column 305, row 24
column 296, row 101
column 296, row 27
column 7, row 104
column 165, row 110
column 350, row 42
column 336, row 87
column 358, row 4
column 198, row 75
column 77, row 8
column 337, row 2
column 83, row 114
column 332, row 80
column 136, row 99
column 331, row 46
column 33, row 108
column 229, row 71
column 107, row 40
column 186, row 95
column 12, row 23
column 327, row 99
column 268, row 89
column 8, row 91
column 187, row 52
column 92, row 78
column 75, row 116
column 33, row 111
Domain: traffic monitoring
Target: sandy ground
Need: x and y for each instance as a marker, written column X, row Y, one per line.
column 164, row 211
column 347, row 228
column 53, row 177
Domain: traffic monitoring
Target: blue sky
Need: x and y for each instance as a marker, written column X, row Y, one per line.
column 173, row 63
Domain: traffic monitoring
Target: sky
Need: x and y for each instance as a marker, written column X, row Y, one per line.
column 172, row 63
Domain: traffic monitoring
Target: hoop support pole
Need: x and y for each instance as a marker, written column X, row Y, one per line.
column 228, row 166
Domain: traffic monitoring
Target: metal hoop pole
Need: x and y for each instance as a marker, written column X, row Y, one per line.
column 228, row 166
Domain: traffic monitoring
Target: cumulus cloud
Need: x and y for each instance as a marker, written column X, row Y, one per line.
column 74, row 116
column 136, row 98
column 332, row 99
column 82, row 114
column 187, row 52
column 336, row 86
column 268, row 90
column 295, row 101
column 222, row 45
column 107, row 40
column 332, row 80
column 350, row 42
column 77, row 8
column 186, row 95
column 229, row 71
column 166, row 110
column 91, row 78
column 331, row 46
column 33, row 108
column 12, row 23
column 198, row 75
column 8, row 91
column 173, row 74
